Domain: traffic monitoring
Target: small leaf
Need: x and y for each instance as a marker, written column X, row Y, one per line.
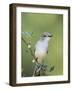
column 52, row 68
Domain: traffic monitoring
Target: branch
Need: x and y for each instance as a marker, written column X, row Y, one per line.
column 30, row 49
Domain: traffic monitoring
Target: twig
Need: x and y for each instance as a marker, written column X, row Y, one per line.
column 29, row 49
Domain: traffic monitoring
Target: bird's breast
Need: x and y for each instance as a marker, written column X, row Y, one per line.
column 41, row 50
column 42, row 46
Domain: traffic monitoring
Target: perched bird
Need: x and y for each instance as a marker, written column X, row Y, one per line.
column 41, row 47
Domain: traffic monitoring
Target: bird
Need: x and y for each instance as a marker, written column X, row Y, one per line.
column 41, row 47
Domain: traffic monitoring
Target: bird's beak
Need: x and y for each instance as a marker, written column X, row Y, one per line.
column 50, row 35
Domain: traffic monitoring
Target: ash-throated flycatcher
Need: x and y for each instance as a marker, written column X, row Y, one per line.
column 41, row 47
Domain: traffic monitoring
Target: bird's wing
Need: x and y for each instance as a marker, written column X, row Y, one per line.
column 47, row 50
column 34, row 53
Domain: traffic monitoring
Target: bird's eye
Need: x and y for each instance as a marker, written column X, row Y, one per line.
column 44, row 35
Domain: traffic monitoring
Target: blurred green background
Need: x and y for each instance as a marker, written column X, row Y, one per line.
column 39, row 23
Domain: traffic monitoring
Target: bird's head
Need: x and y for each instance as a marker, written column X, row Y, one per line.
column 46, row 35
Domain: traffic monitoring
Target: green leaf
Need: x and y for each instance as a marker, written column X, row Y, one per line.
column 52, row 68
